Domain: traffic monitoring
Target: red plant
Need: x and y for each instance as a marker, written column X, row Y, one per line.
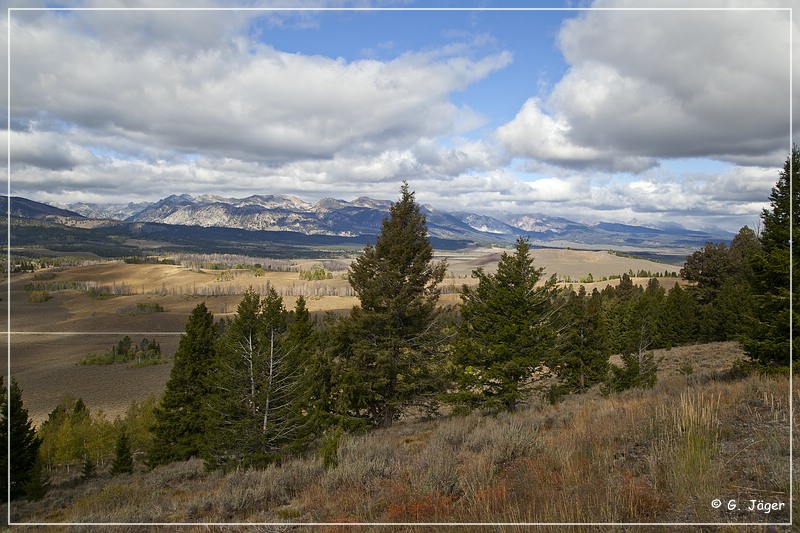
column 425, row 509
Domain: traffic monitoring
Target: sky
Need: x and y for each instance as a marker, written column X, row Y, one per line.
column 607, row 112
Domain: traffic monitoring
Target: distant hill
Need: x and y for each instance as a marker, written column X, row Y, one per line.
column 24, row 208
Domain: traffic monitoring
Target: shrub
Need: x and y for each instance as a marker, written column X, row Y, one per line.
column 38, row 296
column 329, row 448
column 513, row 437
column 141, row 309
column 99, row 359
column 145, row 353
column 435, row 470
column 315, row 274
column 361, row 461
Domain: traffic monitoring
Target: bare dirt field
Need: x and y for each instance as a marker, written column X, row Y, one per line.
column 49, row 338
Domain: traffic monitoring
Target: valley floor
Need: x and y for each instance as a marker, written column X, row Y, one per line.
column 50, row 337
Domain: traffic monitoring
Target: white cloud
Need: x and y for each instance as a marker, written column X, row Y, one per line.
column 646, row 85
column 241, row 100
column 537, row 135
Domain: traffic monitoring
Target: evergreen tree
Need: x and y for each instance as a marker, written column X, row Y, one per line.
column 506, row 333
column 679, row 317
column 38, row 481
column 390, row 342
column 80, row 409
column 744, row 247
column 625, row 290
column 650, row 309
column 124, row 348
column 179, row 430
column 299, row 346
column 300, row 333
column 767, row 339
column 708, row 268
column 583, row 350
column 721, row 279
column 636, row 372
column 616, row 304
column 320, row 373
column 639, row 329
column 123, row 459
column 26, row 477
column 254, row 413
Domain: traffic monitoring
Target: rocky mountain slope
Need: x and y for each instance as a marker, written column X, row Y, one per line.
column 364, row 216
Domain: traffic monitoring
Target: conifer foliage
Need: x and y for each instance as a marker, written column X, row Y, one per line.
column 506, row 332
column 721, row 279
column 178, row 433
column 583, row 347
column 389, row 341
column 27, row 479
column 254, row 409
column 123, row 459
column 767, row 341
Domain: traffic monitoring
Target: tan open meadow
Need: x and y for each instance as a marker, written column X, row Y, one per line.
column 90, row 308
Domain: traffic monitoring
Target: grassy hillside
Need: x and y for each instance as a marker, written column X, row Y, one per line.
column 661, row 455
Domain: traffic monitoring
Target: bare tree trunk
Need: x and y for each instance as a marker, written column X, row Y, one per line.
column 270, row 377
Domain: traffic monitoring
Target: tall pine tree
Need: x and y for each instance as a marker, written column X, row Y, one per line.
column 506, row 333
column 639, row 329
column 390, row 341
column 254, row 412
column 299, row 346
column 679, row 317
column 25, row 444
column 767, row 340
column 179, row 431
column 583, row 349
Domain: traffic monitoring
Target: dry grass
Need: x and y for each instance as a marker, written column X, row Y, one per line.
column 650, row 456
column 572, row 263
column 46, row 366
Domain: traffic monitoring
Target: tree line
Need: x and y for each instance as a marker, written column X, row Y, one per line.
column 270, row 382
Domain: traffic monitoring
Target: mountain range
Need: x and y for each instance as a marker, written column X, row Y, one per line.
column 363, row 217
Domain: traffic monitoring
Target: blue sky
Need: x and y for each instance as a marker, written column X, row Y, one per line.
column 672, row 116
column 384, row 35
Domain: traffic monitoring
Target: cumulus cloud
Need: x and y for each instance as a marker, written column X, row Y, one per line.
column 729, row 198
column 537, row 135
column 45, row 150
column 645, row 85
column 242, row 100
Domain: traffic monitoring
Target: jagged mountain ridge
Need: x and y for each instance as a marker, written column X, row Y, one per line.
column 364, row 216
